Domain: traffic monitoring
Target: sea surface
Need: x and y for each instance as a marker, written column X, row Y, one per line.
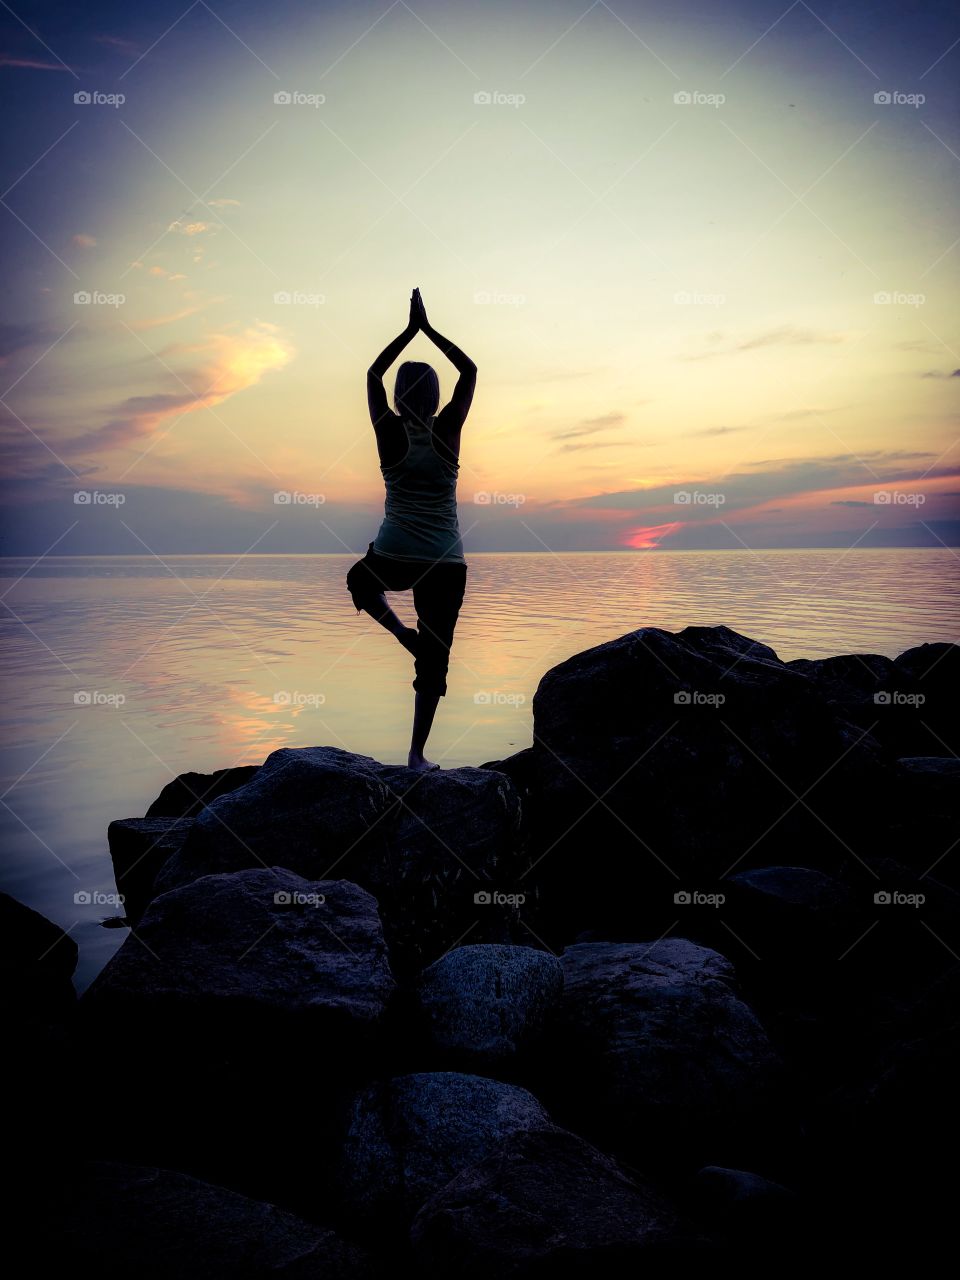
column 122, row 671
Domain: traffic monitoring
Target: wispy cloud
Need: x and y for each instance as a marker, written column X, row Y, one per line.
column 787, row 335
column 590, row 426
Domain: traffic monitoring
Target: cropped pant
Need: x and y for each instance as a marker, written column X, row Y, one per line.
column 438, row 587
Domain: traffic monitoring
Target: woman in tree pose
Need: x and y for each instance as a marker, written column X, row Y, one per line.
column 418, row 546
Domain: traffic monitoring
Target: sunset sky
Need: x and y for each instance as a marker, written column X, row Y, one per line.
column 708, row 276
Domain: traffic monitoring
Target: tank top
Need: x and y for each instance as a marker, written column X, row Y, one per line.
column 420, row 509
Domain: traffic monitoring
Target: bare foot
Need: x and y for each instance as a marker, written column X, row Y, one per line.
column 421, row 764
column 408, row 638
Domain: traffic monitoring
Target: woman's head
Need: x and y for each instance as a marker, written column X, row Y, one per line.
column 416, row 392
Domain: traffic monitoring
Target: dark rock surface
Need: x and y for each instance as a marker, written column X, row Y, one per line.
column 406, row 1138
column 139, row 847
column 424, row 844
column 164, row 1225
column 488, row 1003
column 660, row 1045
column 547, row 1203
column 749, row 869
column 662, row 761
column 230, row 958
column 189, row 793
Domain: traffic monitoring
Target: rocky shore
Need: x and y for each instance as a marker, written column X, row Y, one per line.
column 681, row 976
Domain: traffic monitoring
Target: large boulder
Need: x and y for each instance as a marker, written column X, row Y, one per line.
column 236, row 1000
column 909, row 704
column 407, row 1137
column 423, row 843
column 37, row 961
column 546, row 1203
column 232, row 960
column 139, row 848
column 661, row 762
column 189, row 793
column 164, row 1225
column 659, row 1047
column 488, row 1003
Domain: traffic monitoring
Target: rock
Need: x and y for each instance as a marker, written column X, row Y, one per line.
column 746, row 1206
column 933, row 671
column 925, row 815
column 162, row 1225
column 908, row 704
column 546, row 1203
column 488, row 1003
column 234, row 960
column 139, row 847
column 662, row 761
column 37, row 961
column 407, row 1137
column 790, row 917
column 189, row 793
column 424, row 843
column 659, row 1047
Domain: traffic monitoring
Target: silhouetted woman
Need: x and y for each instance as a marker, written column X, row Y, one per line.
column 418, row 546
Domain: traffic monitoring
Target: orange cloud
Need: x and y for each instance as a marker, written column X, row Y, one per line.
column 230, row 362
column 83, row 241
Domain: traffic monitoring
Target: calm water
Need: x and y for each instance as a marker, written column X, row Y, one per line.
column 212, row 661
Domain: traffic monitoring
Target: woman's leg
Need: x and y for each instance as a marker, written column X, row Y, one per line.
column 437, row 597
column 424, row 709
column 368, row 595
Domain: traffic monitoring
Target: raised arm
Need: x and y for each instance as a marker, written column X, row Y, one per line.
column 376, row 394
column 466, row 384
